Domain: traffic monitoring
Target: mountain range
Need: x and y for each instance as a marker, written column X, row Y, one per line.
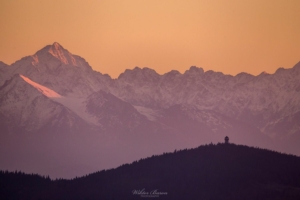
column 61, row 118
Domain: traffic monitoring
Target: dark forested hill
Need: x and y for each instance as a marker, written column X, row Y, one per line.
column 222, row 171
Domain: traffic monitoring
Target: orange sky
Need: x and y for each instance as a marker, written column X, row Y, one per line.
column 230, row 36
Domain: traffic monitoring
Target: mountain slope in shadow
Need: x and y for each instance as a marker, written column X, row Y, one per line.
column 222, row 171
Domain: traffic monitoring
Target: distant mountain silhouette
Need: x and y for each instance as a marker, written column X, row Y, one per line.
column 222, row 171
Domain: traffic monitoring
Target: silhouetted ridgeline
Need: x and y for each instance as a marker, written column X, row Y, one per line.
column 222, row 171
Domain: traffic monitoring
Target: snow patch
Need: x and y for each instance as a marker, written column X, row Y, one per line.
column 78, row 106
column 44, row 90
column 147, row 112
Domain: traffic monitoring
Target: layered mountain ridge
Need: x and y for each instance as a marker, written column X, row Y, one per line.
column 56, row 91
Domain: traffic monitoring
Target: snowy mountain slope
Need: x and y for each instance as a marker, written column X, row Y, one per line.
column 29, row 107
column 78, row 106
column 113, row 112
column 121, row 120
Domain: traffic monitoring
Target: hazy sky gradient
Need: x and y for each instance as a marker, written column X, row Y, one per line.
column 230, row 36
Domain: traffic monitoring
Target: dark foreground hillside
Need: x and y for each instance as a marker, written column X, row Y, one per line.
column 208, row 172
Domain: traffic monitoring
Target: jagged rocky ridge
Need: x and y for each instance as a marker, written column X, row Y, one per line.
column 141, row 112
